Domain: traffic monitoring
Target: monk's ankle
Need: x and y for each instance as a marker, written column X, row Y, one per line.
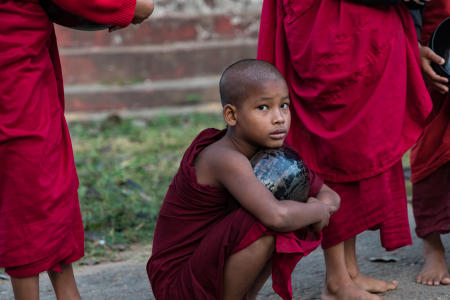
column 432, row 245
column 333, row 286
column 353, row 272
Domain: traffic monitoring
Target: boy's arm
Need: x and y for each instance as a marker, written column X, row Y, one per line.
column 234, row 172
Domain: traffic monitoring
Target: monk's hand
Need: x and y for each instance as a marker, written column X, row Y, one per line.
column 325, row 211
column 426, row 57
column 144, row 9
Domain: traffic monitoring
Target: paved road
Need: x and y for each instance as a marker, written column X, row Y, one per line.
column 128, row 280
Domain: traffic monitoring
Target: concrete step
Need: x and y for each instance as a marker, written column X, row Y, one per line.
column 164, row 93
column 166, row 29
column 136, row 64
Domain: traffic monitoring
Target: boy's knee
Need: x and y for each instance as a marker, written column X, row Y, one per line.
column 267, row 242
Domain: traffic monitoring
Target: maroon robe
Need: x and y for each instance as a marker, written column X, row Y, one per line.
column 200, row 226
column 358, row 103
column 40, row 220
column 430, row 157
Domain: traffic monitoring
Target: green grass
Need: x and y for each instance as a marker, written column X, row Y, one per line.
column 125, row 168
column 406, row 165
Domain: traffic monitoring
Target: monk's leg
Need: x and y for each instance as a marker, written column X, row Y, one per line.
column 367, row 283
column 338, row 283
column 64, row 284
column 26, row 288
column 434, row 270
column 243, row 268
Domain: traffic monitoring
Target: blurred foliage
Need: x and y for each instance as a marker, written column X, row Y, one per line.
column 125, row 167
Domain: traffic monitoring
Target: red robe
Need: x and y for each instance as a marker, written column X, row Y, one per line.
column 430, row 157
column 359, row 102
column 40, row 220
column 200, row 226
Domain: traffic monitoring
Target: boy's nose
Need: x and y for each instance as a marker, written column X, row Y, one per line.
column 278, row 117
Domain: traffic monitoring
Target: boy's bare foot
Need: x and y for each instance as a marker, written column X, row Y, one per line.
column 347, row 292
column 373, row 285
column 434, row 270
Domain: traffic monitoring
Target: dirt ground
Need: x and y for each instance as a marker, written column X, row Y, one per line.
column 127, row 279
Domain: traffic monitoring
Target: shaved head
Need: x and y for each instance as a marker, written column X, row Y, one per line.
column 242, row 78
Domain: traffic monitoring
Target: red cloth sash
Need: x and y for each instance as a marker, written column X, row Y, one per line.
column 359, row 101
column 200, row 226
column 378, row 202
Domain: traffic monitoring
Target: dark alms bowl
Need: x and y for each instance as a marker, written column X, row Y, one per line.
column 440, row 44
column 283, row 172
column 64, row 18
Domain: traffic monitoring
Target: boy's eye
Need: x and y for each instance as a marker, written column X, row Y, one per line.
column 263, row 107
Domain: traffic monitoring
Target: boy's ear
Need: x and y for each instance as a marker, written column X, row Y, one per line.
column 230, row 114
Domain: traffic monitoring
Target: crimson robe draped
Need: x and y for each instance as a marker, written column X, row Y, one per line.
column 358, row 104
column 200, row 226
column 40, row 220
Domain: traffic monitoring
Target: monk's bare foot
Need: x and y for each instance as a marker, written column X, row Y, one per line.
column 434, row 270
column 349, row 291
column 373, row 285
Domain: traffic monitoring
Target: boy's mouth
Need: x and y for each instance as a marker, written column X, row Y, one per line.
column 278, row 134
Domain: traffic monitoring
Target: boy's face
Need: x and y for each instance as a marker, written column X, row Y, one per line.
column 263, row 119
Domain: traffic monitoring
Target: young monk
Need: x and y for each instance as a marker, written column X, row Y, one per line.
column 358, row 104
column 220, row 231
column 430, row 159
column 40, row 221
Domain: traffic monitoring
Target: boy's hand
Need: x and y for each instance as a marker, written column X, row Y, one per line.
column 325, row 212
column 327, row 196
column 426, row 57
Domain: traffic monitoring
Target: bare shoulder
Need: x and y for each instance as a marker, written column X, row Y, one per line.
column 218, row 160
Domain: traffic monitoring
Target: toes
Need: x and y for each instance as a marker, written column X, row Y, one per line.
column 395, row 284
column 391, row 285
column 445, row 280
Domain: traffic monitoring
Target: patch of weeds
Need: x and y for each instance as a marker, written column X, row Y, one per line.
column 125, row 168
column 192, row 98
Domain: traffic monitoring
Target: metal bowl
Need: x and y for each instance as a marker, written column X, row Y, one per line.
column 283, row 172
column 64, row 18
column 440, row 44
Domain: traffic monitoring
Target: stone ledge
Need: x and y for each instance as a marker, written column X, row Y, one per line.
column 137, row 64
column 184, row 92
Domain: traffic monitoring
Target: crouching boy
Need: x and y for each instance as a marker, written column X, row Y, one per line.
column 220, row 232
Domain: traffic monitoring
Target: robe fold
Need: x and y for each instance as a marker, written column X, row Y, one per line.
column 200, row 226
column 430, row 157
column 40, row 220
column 358, row 103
